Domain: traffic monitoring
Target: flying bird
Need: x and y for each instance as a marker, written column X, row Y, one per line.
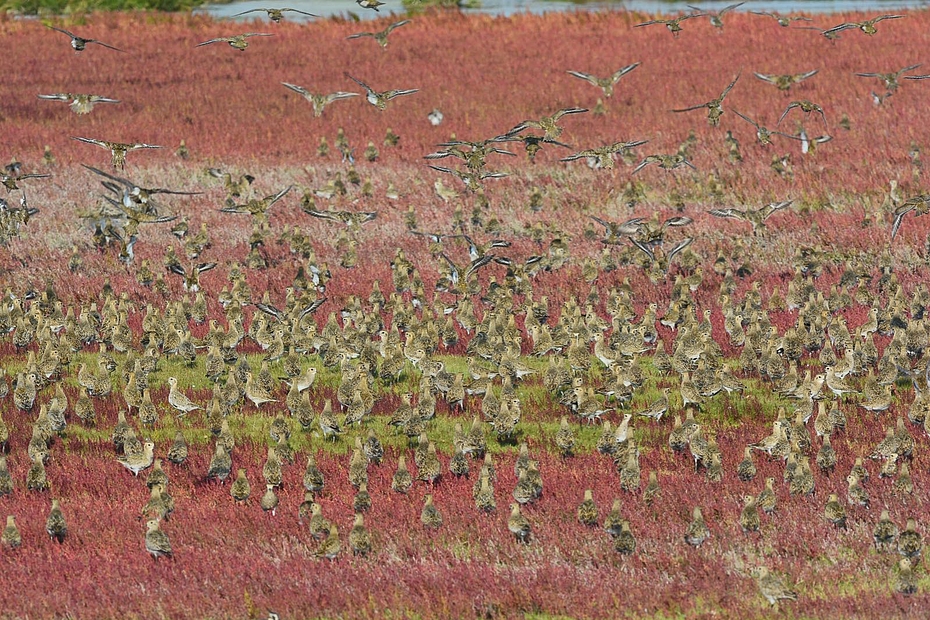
column 79, row 43
column 381, row 36
column 714, row 106
column 785, row 82
column 379, row 100
column 80, row 103
column 867, row 26
column 118, row 150
column 783, row 20
column 666, row 162
column 239, row 41
column 608, row 83
column 275, row 15
column 805, row 106
column 319, row 102
column 547, row 124
column 673, row 25
column 716, row 17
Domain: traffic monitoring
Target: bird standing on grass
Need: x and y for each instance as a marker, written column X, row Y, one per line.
column 772, row 587
column 518, row 525
column 178, row 400
column 55, row 523
column 11, row 537
column 156, row 541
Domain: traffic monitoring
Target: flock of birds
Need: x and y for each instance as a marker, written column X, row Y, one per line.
column 596, row 364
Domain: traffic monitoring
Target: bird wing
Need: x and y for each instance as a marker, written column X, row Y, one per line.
column 729, row 212
column 565, row 111
column 771, row 79
column 143, row 145
column 390, row 28
column 804, row 76
column 338, row 95
column 791, row 105
column 906, row 69
column 359, row 35
column 727, row 8
column 623, row 71
column 57, row 97
column 694, row 107
column 903, row 210
column 217, row 40
column 63, row 31
column 326, row 215
column 644, row 248
column 773, row 207
column 107, row 45
column 881, row 17
column 726, row 91
column 360, row 83
column 587, row 77
column 91, row 141
column 681, row 245
column 677, row 221
column 249, row 11
column 746, row 118
column 842, row 26
column 390, row 94
column 650, row 22
column 276, row 197
column 301, row 12
column 297, row 89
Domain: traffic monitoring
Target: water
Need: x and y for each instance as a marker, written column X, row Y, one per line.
column 343, row 8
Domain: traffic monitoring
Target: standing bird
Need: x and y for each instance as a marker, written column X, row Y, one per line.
column 697, row 531
column 55, row 523
column 79, row 43
column 587, row 511
column 239, row 41
column 625, row 542
column 430, row 515
column 331, row 545
column 518, row 525
column 11, row 537
column 379, row 100
column 156, row 541
column 359, row 536
column 240, row 488
column 771, row 586
column 178, row 400
column 220, row 464
column 608, row 83
column 381, row 36
column 835, row 512
column 319, row 102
